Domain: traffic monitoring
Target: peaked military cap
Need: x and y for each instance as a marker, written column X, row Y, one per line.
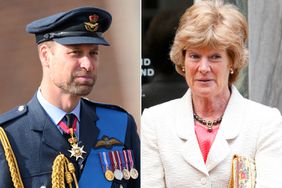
column 84, row 25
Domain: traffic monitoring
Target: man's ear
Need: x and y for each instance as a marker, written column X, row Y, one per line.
column 44, row 54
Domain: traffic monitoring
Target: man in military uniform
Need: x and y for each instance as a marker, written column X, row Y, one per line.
column 100, row 140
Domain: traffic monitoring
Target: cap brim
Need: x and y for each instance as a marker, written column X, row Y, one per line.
column 82, row 40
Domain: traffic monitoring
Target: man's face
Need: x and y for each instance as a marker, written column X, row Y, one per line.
column 73, row 68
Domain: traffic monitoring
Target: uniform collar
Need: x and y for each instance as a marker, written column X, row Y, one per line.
column 56, row 114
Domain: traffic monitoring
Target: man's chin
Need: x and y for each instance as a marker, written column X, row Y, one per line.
column 82, row 90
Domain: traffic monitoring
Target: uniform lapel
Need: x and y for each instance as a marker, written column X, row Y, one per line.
column 54, row 139
column 229, row 129
column 88, row 130
column 40, row 121
column 185, row 130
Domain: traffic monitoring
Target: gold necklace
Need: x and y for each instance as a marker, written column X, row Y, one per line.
column 208, row 124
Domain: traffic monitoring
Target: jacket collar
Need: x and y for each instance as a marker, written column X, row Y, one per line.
column 40, row 122
column 229, row 129
column 88, row 129
column 230, row 124
column 52, row 137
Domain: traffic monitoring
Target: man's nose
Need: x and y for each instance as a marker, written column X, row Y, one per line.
column 87, row 63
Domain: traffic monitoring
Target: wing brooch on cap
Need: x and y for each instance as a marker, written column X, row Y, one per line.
column 108, row 143
column 92, row 25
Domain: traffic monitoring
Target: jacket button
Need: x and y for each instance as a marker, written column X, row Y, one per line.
column 81, row 166
column 203, row 181
column 21, row 108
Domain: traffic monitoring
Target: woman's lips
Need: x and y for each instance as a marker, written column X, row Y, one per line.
column 204, row 80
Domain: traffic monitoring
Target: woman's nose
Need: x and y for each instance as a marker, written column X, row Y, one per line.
column 204, row 66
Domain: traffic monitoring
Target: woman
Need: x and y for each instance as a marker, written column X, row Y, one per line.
column 190, row 142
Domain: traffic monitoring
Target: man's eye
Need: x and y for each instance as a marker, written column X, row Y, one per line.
column 94, row 53
column 74, row 52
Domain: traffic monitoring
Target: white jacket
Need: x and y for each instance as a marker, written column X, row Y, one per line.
column 171, row 156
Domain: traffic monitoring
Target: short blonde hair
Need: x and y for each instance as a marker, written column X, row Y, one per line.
column 215, row 25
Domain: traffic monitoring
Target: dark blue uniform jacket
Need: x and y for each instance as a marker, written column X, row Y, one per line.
column 36, row 142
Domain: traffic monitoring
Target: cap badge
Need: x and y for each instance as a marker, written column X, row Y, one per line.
column 92, row 25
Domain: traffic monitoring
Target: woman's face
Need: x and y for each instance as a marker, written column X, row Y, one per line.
column 207, row 71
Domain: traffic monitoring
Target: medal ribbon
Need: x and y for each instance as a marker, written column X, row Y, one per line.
column 130, row 158
column 122, row 159
column 65, row 128
column 125, row 159
column 119, row 161
column 113, row 160
column 106, row 161
column 103, row 163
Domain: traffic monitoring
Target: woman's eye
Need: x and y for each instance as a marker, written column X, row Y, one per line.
column 215, row 57
column 194, row 56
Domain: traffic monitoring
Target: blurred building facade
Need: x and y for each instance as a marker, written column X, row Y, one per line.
column 265, row 51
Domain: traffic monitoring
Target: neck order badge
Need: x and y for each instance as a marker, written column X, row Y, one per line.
column 69, row 128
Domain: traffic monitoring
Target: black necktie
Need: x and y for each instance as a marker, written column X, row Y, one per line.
column 70, row 119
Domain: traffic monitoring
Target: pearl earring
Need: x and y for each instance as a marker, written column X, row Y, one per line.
column 231, row 71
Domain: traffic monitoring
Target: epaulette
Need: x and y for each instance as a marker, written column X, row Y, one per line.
column 104, row 105
column 13, row 114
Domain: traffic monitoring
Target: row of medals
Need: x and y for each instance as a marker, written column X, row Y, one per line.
column 77, row 152
column 118, row 174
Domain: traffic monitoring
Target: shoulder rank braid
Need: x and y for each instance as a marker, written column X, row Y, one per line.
column 62, row 170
